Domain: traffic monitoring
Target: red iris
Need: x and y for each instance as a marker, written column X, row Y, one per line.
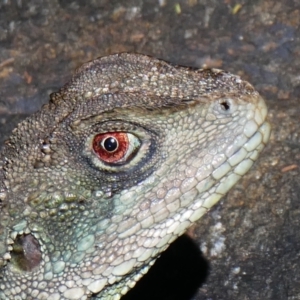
column 111, row 147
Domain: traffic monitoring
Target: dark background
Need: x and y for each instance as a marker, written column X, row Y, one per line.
column 248, row 246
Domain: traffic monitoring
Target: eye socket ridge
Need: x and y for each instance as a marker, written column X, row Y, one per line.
column 115, row 148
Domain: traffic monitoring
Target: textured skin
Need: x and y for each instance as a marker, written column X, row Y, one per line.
column 75, row 227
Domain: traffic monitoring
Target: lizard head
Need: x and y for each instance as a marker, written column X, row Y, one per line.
column 122, row 160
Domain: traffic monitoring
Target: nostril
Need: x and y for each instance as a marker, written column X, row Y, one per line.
column 225, row 105
column 26, row 253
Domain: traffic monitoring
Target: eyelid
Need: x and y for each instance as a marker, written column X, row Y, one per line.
column 144, row 143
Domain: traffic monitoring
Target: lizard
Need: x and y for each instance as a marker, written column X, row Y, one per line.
column 122, row 160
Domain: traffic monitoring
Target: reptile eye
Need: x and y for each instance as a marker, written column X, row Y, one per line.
column 115, row 147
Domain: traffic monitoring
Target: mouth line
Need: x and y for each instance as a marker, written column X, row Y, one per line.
column 224, row 177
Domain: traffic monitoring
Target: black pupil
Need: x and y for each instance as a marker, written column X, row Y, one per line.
column 110, row 144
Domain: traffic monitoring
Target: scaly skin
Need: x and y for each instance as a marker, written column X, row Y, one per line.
column 121, row 162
